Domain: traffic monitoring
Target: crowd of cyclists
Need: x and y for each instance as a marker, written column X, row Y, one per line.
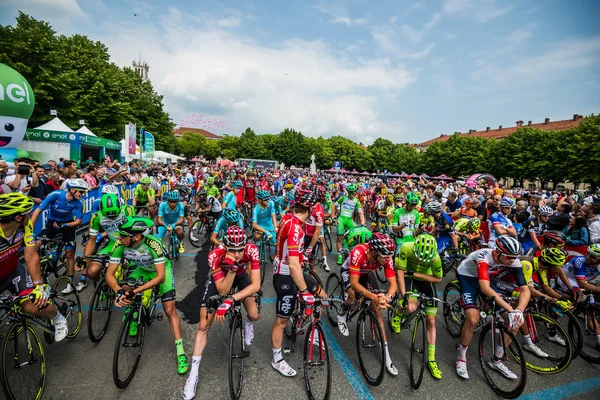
column 504, row 244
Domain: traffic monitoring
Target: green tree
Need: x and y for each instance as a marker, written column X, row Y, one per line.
column 211, row 150
column 230, row 147
column 191, row 144
column 583, row 152
column 291, row 148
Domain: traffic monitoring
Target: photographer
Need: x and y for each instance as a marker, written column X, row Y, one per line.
column 24, row 178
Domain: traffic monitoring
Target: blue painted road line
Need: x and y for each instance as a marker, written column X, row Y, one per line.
column 564, row 391
column 362, row 391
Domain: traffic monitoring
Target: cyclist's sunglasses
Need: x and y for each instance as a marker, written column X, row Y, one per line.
column 235, row 250
column 592, row 256
column 174, row 201
column 79, row 190
column 510, row 257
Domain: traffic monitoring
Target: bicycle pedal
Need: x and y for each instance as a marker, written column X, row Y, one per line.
column 159, row 316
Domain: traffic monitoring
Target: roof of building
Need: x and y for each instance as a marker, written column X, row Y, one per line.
column 503, row 132
column 209, row 135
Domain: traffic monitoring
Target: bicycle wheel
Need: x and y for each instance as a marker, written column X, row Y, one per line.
column 23, row 365
column 587, row 319
column 237, row 355
column 567, row 320
column 369, row 345
column 454, row 315
column 507, row 388
column 317, row 365
column 193, row 235
column 263, row 264
column 128, row 350
column 68, row 305
column 100, row 311
column 559, row 357
column 418, row 351
column 334, row 290
column 328, row 242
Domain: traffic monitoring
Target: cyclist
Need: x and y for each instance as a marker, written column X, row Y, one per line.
column 581, row 270
column 170, row 217
column 500, row 223
column 147, row 261
column 230, row 199
column 550, row 239
column 144, row 196
column 185, row 194
column 209, row 205
column 419, row 268
column 468, row 228
column 384, row 211
column 348, row 204
column 473, row 274
column 228, row 219
column 313, row 226
column 288, row 278
column 64, row 216
column 282, row 204
column 23, row 278
column 232, row 266
column 264, row 220
column 250, row 184
column 406, row 219
column 446, row 236
column 358, row 278
column 211, row 189
column 106, row 223
column 533, row 227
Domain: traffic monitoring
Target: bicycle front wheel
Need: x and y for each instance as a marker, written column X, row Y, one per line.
column 454, row 315
column 193, row 234
column 23, row 365
column 317, row 365
column 586, row 316
column 418, row 350
column 68, row 305
column 334, row 290
column 128, row 350
column 328, row 242
column 369, row 345
column 495, row 368
column 100, row 311
column 237, row 356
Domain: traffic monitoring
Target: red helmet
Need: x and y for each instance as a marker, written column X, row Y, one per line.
column 234, row 237
column 554, row 238
column 382, row 244
column 320, row 193
column 304, row 198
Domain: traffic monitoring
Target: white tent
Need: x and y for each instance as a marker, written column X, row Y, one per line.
column 84, row 129
column 55, row 125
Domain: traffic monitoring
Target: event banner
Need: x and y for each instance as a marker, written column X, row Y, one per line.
column 148, row 144
column 130, row 137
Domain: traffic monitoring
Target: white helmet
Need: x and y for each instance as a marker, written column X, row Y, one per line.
column 77, row 184
column 546, row 210
column 110, row 189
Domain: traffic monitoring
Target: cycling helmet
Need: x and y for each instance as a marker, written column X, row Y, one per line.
column 173, row 195
column 234, row 237
column 289, row 184
column 320, row 193
column 210, row 180
column 468, row 201
column 145, row 180
column 474, row 224
column 236, row 184
column 506, row 202
column 110, row 189
column 433, row 207
column 110, row 206
column 304, row 198
column 382, row 244
column 358, row 235
column 425, row 248
column 411, row 199
column 231, row 216
column 594, row 250
column 78, row 184
column 554, row 256
column 263, row 195
column 545, row 210
column 390, row 198
column 508, row 246
column 135, row 225
column 12, row 204
column 398, row 196
column 289, row 196
column 554, row 238
column 351, row 188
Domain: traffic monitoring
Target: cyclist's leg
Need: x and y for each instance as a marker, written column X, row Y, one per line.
column 167, row 296
column 95, row 265
column 160, row 233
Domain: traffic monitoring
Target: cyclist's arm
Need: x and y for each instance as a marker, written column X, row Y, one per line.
column 534, row 238
column 224, row 284
column 32, row 261
column 360, row 289
column 361, row 214
column 134, row 201
column 110, row 274
column 585, row 285
column 159, row 221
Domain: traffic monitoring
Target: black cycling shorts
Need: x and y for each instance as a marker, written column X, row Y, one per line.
column 241, row 282
column 19, row 282
column 369, row 281
column 68, row 234
column 286, row 290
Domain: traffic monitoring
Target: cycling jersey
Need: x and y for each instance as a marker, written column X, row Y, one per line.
column 61, row 209
column 216, row 256
column 281, row 203
column 577, row 268
column 316, row 218
column 146, row 256
column 290, row 243
column 263, row 215
column 410, row 220
column 444, row 224
column 249, row 185
column 497, row 219
column 408, row 261
column 99, row 222
column 327, row 206
column 214, row 204
column 480, row 264
column 222, row 225
column 212, row 191
column 170, row 215
column 143, row 196
column 359, row 265
column 462, row 225
column 467, row 213
column 534, row 275
column 348, row 205
column 230, row 201
column 10, row 248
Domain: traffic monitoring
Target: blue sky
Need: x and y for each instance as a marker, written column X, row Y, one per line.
column 405, row 71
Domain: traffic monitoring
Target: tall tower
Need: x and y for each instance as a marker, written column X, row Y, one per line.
column 141, row 67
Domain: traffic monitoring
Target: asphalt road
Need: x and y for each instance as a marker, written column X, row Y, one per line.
column 79, row 368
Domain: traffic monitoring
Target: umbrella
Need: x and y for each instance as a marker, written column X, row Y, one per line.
column 425, row 176
column 443, row 177
column 354, row 171
column 364, row 173
column 414, row 175
column 396, row 175
column 404, row 175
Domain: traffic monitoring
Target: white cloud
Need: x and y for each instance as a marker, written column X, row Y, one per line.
column 229, row 22
column 349, row 21
column 518, row 36
column 456, row 6
column 295, row 83
column 386, row 39
column 339, row 15
column 435, row 19
column 480, row 11
column 53, row 11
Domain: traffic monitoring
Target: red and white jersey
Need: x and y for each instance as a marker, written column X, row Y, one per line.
column 358, row 262
column 480, row 264
column 218, row 270
column 290, row 243
column 316, row 218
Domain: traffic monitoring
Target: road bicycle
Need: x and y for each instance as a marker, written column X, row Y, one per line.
column 101, row 304
column 587, row 314
column 237, row 347
column 266, row 253
column 52, row 256
column 139, row 314
column 173, row 240
column 327, row 234
column 201, row 230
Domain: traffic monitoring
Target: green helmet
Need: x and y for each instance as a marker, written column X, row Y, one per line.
column 358, row 235
column 145, row 180
column 411, row 199
column 351, row 188
column 210, row 180
column 110, row 206
column 135, row 225
column 594, row 250
column 554, row 256
column 425, row 248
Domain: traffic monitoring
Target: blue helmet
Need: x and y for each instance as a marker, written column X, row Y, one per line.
column 173, row 195
column 289, row 196
column 236, row 184
column 263, row 195
column 231, row 216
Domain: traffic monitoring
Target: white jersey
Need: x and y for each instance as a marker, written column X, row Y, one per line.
column 479, row 264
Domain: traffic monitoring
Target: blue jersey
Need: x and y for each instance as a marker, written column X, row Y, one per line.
column 169, row 215
column 281, row 204
column 262, row 216
column 444, row 224
column 222, row 225
column 61, row 209
column 230, row 201
column 497, row 219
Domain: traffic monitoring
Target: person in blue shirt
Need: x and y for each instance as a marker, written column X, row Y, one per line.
column 264, row 219
column 230, row 199
column 170, row 216
column 446, row 236
column 65, row 214
column 282, row 203
column 278, row 186
column 229, row 218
